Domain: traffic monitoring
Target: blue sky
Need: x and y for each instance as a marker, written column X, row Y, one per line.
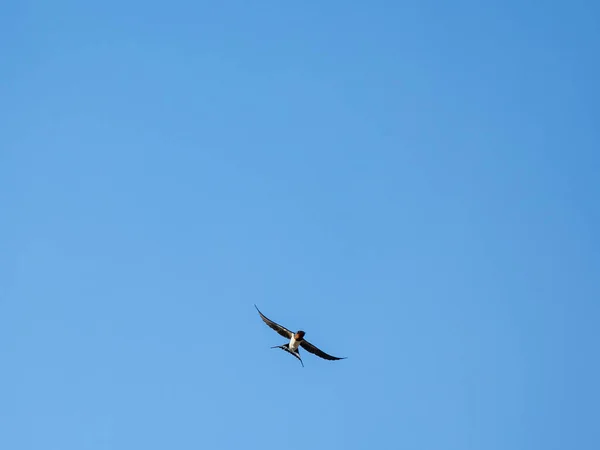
column 414, row 184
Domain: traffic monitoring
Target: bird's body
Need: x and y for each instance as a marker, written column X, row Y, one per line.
column 296, row 340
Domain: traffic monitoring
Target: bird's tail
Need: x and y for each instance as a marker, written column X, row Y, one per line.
column 296, row 354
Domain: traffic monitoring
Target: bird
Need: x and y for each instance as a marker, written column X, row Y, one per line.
column 296, row 340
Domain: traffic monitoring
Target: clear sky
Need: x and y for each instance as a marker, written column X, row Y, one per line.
column 415, row 184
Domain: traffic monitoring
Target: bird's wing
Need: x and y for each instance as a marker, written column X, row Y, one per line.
column 283, row 331
column 315, row 351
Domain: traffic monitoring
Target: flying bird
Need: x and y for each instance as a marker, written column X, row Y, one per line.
column 296, row 340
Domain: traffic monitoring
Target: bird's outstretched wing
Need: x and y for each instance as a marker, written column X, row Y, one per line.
column 315, row 351
column 283, row 331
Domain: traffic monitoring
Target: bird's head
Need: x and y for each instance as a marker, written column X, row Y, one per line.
column 299, row 334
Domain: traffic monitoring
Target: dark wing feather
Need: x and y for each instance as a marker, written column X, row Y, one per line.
column 315, row 351
column 283, row 331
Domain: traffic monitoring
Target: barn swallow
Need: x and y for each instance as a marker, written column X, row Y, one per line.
column 296, row 340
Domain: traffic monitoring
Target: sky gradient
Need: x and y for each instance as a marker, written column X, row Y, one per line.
column 414, row 184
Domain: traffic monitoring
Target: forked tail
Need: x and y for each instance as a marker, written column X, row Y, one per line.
column 287, row 349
